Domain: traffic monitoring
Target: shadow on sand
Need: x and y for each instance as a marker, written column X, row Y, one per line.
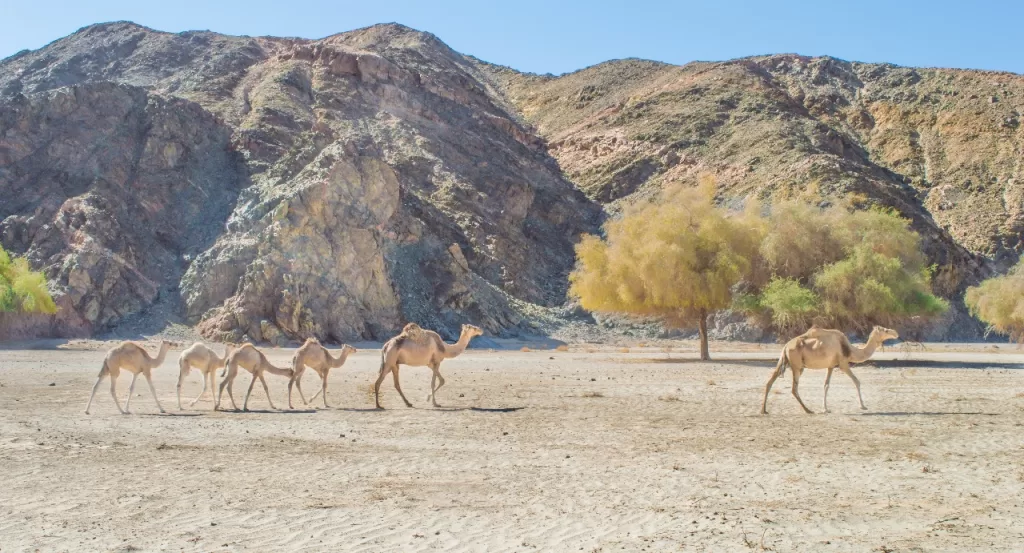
column 926, row 414
column 173, row 414
column 926, row 364
column 271, row 411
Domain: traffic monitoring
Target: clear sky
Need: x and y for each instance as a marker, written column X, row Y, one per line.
column 560, row 36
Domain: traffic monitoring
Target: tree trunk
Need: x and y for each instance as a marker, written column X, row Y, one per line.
column 703, row 326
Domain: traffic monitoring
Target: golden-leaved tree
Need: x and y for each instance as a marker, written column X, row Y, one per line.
column 999, row 302
column 21, row 289
column 677, row 259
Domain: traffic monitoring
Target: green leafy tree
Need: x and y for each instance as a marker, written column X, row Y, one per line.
column 999, row 302
column 678, row 259
column 848, row 269
column 21, row 289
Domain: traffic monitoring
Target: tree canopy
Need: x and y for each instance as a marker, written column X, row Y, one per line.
column 21, row 289
column 677, row 259
column 999, row 302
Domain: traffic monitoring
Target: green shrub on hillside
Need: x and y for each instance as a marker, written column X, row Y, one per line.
column 21, row 289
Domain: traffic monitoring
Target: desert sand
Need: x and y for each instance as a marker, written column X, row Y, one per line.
column 591, row 449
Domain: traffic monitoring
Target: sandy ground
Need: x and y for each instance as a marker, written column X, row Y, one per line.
column 592, row 449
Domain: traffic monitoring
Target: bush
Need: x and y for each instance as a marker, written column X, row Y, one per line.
column 840, row 268
column 999, row 302
column 21, row 289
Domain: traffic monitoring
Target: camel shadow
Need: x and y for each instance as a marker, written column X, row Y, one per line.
column 925, row 414
column 172, row 414
column 354, row 409
column 271, row 411
column 689, row 360
column 480, row 409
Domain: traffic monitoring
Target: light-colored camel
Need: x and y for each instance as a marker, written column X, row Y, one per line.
column 417, row 347
column 200, row 357
column 131, row 357
column 820, row 348
column 315, row 356
column 252, row 360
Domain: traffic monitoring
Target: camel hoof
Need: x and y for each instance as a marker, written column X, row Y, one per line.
column 862, row 408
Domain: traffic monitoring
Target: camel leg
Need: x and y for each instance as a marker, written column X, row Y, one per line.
column 196, row 400
column 183, row 371
column 113, row 394
column 213, row 386
column 96, row 386
column 323, row 389
column 768, row 388
column 152, row 390
column 296, row 381
column 824, row 396
column 846, row 369
column 245, row 404
column 437, row 376
column 228, row 383
column 267, row 390
column 433, row 382
column 131, row 392
column 376, row 385
column 394, row 375
column 796, row 385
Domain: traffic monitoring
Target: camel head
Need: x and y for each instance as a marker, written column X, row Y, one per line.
column 471, row 331
column 884, row 334
column 348, row 349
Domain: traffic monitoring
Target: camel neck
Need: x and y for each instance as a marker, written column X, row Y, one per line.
column 456, row 349
column 338, row 361
column 861, row 354
column 161, row 355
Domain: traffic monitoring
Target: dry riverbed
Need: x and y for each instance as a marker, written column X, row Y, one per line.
column 591, row 449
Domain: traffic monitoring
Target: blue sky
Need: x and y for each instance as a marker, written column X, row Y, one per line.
column 557, row 37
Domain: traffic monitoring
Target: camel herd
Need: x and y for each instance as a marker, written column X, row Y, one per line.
column 416, row 347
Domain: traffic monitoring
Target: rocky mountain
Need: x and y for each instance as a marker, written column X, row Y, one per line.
column 277, row 188
column 281, row 188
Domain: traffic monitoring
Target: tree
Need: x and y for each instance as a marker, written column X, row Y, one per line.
column 847, row 269
column 21, row 289
column 677, row 259
column 999, row 302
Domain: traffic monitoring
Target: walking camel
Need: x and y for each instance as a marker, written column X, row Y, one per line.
column 131, row 357
column 313, row 355
column 199, row 356
column 252, row 360
column 820, row 348
column 417, row 347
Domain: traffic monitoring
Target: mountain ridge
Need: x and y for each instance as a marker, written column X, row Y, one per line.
column 481, row 177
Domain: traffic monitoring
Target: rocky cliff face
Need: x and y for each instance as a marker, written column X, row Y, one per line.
column 366, row 179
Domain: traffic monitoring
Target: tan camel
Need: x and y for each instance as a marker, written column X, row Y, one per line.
column 417, row 347
column 313, row 355
column 252, row 360
column 131, row 357
column 820, row 348
column 206, row 360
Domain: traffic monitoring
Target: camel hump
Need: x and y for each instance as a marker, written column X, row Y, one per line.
column 415, row 333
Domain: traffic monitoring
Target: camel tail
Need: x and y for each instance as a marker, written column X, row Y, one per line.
column 780, row 367
column 104, row 369
column 224, row 371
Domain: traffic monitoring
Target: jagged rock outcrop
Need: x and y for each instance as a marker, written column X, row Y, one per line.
column 108, row 189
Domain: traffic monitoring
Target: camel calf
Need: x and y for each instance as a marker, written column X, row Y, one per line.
column 820, row 348
column 313, row 355
column 131, row 357
column 252, row 360
column 200, row 357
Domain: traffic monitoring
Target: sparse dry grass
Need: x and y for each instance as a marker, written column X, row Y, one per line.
column 562, row 348
column 711, row 382
column 623, row 350
column 525, row 349
column 669, row 397
column 592, row 394
column 917, row 456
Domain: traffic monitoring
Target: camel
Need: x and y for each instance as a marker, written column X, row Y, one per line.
column 206, row 360
column 131, row 357
column 315, row 356
column 820, row 348
column 417, row 347
column 252, row 360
